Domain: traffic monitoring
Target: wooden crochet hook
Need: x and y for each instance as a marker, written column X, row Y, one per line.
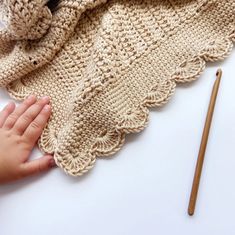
column 201, row 154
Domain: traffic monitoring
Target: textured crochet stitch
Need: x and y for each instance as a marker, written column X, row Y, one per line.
column 105, row 63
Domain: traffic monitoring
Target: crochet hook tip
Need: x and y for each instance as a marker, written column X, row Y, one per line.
column 219, row 73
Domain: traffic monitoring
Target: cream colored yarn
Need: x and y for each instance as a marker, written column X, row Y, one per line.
column 105, row 63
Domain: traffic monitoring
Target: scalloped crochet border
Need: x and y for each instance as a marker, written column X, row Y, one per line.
column 186, row 72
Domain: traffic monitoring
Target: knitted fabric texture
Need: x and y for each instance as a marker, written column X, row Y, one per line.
column 105, row 63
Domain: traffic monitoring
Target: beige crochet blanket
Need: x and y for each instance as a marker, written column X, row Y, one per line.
column 105, row 63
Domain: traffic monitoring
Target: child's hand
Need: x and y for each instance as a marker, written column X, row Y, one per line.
column 20, row 128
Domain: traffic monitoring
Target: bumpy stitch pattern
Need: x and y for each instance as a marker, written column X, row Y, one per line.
column 105, row 63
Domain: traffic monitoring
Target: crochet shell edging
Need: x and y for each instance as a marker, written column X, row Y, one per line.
column 136, row 120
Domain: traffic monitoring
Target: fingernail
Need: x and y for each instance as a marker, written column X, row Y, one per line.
column 30, row 97
column 45, row 98
column 10, row 104
column 52, row 163
column 47, row 108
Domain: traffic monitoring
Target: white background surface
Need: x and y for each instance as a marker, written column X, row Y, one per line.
column 145, row 187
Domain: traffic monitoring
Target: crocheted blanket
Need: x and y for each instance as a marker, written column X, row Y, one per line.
column 105, row 63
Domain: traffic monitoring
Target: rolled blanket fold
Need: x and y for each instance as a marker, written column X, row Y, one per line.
column 105, row 63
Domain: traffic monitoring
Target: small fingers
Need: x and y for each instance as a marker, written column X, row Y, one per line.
column 37, row 166
column 13, row 117
column 34, row 130
column 27, row 118
column 8, row 109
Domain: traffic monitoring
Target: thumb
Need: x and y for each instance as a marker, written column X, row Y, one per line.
column 39, row 165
